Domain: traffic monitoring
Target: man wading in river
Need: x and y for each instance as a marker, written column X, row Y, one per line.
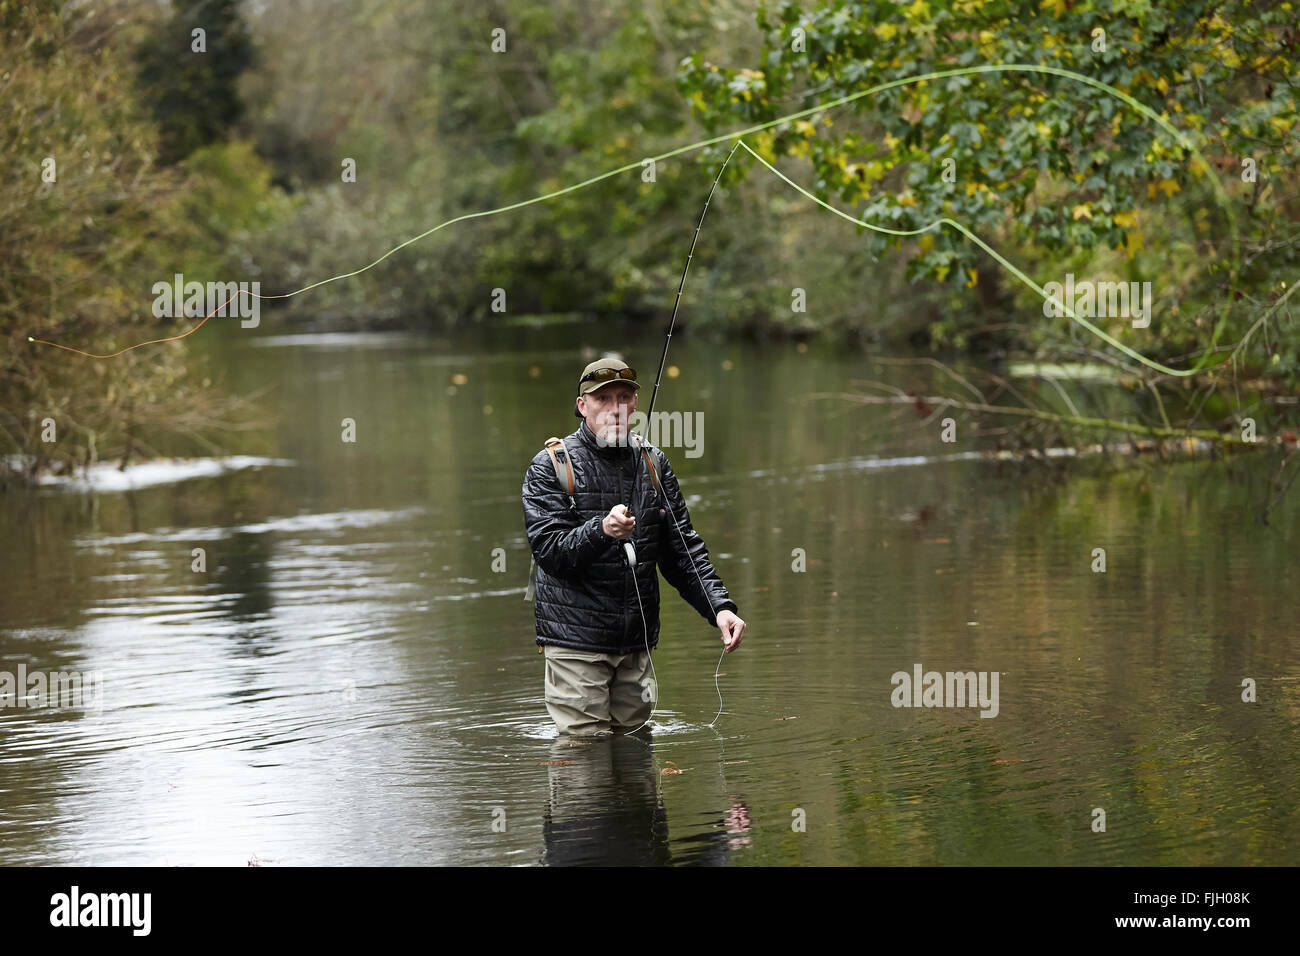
column 583, row 499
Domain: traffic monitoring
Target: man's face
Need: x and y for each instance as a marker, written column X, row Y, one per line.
column 607, row 410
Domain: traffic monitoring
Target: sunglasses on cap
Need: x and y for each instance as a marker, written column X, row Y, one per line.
column 608, row 375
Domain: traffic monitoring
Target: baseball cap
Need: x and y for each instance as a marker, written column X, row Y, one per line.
column 602, row 372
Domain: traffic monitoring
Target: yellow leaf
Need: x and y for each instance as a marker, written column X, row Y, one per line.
column 1127, row 220
column 926, row 243
column 1162, row 85
column 1083, row 210
column 1169, row 186
column 941, row 273
column 974, row 278
column 1056, row 6
column 891, row 142
column 806, row 128
column 886, row 31
column 907, row 200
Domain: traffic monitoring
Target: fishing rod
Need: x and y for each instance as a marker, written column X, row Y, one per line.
column 672, row 322
column 638, row 449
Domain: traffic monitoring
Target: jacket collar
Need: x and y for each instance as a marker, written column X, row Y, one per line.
column 588, row 439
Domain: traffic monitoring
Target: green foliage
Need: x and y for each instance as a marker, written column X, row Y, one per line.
column 1040, row 161
column 194, row 94
column 79, row 255
column 441, row 126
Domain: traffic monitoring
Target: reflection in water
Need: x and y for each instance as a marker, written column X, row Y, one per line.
column 243, row 572
column 604, row 808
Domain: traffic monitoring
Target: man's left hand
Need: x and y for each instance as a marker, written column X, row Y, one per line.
column 732, row 628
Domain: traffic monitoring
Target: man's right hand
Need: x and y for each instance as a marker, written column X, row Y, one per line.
column 618, row 523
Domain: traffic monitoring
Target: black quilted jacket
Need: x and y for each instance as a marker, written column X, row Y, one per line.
column 585, row 597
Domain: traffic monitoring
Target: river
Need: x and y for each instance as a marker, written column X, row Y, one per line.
column 351, row 677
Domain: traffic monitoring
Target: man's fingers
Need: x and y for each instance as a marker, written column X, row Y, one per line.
column 621, row 522
column 733, row 632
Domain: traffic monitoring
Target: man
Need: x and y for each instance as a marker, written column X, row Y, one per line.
column 590, row 622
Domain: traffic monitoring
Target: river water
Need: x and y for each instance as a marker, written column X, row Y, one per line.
column 351, row 677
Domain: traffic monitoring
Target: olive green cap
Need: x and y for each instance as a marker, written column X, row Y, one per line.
column 585, row 385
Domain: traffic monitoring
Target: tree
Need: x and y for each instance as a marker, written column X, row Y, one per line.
column 189, row 67
column 1038, row 159
column 82, row 244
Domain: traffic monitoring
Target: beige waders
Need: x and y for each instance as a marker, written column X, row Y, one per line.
column 590, row 693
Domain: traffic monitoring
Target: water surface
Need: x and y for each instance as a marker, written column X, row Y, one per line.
column 349, row 681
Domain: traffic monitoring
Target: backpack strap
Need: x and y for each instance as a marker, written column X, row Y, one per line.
column 654, row 469
column 563, row 465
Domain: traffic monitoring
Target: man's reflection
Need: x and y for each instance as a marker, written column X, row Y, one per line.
column 604, row 809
